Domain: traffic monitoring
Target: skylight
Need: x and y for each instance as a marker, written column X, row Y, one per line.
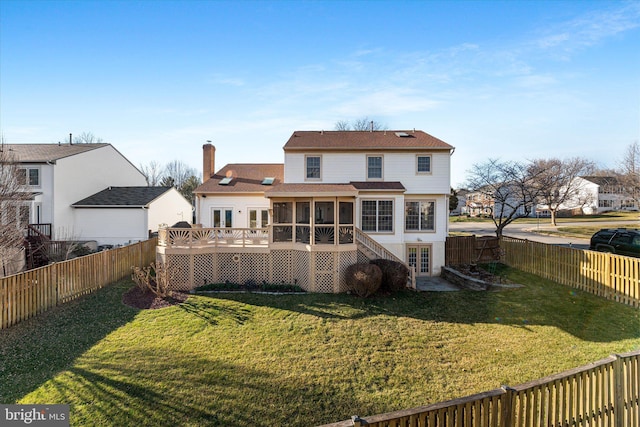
column 268, row 181
column 225, row 181
column 402, row 134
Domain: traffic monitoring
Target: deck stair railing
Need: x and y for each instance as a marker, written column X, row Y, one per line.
column 373, row 250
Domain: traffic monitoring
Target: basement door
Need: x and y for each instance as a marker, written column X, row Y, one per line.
column 419, row 256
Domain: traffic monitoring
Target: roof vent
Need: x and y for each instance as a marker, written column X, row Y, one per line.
column 268, row 181
column 402, row 134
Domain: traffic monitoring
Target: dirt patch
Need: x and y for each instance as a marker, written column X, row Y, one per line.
column 144, row 299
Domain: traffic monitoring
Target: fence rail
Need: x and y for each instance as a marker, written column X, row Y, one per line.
column 605, row 393
column 32, row 292
column 610, row 276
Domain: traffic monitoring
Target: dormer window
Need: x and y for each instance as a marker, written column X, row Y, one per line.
column 313, row 166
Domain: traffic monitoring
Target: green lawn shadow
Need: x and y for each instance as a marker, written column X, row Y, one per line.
column 35, row 350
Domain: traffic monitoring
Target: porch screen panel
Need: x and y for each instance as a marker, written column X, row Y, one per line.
column 324, row 230
column 345, row 219
column 283, row 221
column 303, row 221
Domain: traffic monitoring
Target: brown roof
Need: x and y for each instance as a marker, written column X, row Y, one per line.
column 245, row 178
column 364, row 140
column 378, row 185
column 42, row 153
column 309, row 190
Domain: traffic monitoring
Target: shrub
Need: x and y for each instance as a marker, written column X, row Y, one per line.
column 363, row 279
column 155, row 278
column 394, row 275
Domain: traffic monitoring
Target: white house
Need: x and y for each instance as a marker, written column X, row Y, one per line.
column 118, row 215
column 58, row 176
column 338, row 195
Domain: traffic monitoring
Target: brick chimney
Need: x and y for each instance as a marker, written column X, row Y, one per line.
column 208, row 161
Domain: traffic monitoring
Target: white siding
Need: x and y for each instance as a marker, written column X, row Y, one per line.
column 84, row 174
column 346, row 167
column 239, row 204
column 168, row 209
column 110, row 226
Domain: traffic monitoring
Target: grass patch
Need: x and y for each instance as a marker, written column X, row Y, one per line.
column 608, row 216
column 252, row 359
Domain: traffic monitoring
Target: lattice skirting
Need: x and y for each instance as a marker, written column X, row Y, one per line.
column 312, row 271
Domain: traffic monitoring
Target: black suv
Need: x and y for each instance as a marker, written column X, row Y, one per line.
column 621, row 241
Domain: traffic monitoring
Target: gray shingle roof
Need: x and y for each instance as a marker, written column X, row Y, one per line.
column 42, row 153
column 133, row 197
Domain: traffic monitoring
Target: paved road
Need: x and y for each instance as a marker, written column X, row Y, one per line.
column 530, row 231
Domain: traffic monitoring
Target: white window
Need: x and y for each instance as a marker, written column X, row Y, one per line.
column 423, row 164
column 29, row 176
column 313, row 165
column 377, row 216
column 419, row 215
column 374, row 167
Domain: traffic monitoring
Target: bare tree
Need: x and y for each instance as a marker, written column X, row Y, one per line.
column 361, row 124
column 559, row 185
column 509, row 185
column 153, row 173
column 14, row 213
column 629, row 174
column 180, row 172
column 83, row 138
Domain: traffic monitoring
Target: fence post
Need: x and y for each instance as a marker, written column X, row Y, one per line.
column 506, row 410
column 618, row 391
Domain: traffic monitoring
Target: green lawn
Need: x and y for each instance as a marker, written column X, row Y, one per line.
column 608, row 216
column 248, row 359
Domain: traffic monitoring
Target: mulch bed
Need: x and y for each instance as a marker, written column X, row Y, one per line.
column 145, row 299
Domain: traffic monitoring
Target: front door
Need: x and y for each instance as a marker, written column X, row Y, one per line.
column 419, row 257
column 221, row 217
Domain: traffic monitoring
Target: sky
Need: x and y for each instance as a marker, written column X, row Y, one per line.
column 513, row 80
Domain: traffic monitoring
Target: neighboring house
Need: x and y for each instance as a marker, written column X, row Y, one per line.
column 58, row 176
column 608, row 194
column 461, row 207
column 339, row 197
column 118, row 215
column 479, row 203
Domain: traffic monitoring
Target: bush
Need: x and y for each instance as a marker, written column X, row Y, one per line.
column 363, row 279
column 394, row 275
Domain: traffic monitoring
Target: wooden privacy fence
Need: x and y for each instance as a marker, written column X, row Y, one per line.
column 471, row 249
column 32, row 292
column 604, row 394
column 611, row 276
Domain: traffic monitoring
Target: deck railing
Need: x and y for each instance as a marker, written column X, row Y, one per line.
column 378, row 251
column 213, row 237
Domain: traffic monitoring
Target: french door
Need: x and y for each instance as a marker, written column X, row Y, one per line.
column 221, row 217
column 419, row 257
